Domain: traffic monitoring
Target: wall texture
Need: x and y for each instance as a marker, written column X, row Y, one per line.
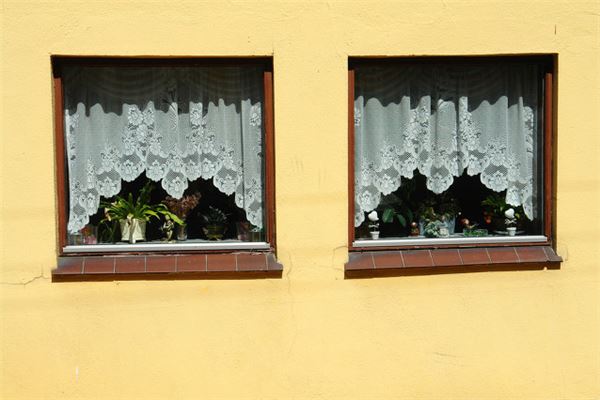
column 312, row 334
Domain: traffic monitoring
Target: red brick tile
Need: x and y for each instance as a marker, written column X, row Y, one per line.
column 273, row 264
column 359, row 261
column 161, row 263
column 221, row 262
column 474, row 256
column 551, row 254
column 252, row 262
column 531, row 254
column 118, row 267
column 417, row 258
column 500, row 255
column 388, row 259
column 69, row 266
column 130, row 264
column 99, row 265
column 446, row 257
column 191, row 263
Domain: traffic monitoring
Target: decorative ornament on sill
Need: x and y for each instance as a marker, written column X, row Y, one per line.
column 470, row 230
column 510, row 221
column 167, row 229
column 373, row 225
column 414, row 229
column 182, row 208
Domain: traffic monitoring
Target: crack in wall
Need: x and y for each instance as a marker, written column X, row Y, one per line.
column 25, row 283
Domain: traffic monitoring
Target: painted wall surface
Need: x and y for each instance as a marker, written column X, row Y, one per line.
column 311, row 334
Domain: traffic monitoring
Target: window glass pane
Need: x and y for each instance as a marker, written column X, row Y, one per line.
column 178, row 148
column 448, row 149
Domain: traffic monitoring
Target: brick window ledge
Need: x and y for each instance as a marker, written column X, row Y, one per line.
column 243, row 265
column 372, row 264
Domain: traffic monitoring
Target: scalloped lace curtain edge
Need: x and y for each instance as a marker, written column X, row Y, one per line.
column 176, row 125
column 442, row 122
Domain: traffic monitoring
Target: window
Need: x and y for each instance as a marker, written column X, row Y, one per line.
column 158, row 155
column 449, row 152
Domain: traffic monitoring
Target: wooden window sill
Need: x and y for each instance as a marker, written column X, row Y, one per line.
column 372, row 264
column 242, row 265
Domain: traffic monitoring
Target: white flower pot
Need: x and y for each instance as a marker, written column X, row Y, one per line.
column 511, row 230
column 448, row 229
column 374, row 235
column 133, row 230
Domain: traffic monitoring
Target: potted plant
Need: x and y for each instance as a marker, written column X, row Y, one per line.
column 511, row 221
column 403, row 214
column 373, row 225
column 441, row 209
column 435, row 229
column 214, row 221
column 495, row 207
column 133, row 214
column 398, row 206
column 182, row 208
column 396, row 209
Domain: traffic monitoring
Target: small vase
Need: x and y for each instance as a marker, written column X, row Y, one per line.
column 181, row 232
column 374, row 235
column 243, row 231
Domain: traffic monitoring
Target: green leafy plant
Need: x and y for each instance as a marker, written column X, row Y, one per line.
column 399, row 205
column 215, row 220
column 128, row 207
column 475, row 232
column 495, row 205
column 438, row 207
column 434, row 229
column 402, row 213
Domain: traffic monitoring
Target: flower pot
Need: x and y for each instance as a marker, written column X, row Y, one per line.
column 133, row 230
column 512, row 230
column 374, row 235
column 214, row 232
column 446, row 226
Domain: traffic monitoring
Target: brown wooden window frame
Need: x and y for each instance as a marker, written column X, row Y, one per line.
column 432, row 258
column 164, row 264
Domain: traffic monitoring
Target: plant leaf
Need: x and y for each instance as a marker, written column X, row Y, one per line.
column 174, row 217
column 410, row 214
column 401, row 219
column 388, row 215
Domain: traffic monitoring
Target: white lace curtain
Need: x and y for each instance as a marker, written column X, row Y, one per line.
column 442, row 120
column 175, row 124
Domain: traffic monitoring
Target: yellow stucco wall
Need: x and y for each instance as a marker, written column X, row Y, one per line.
column 312, row 334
